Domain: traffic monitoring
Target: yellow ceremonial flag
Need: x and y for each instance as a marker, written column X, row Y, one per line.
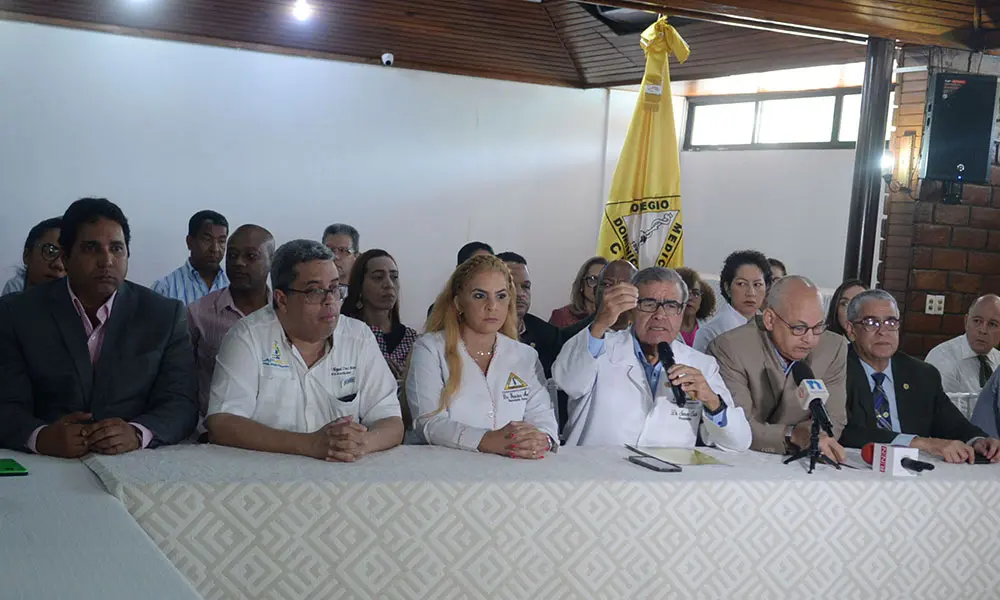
column 642, row 219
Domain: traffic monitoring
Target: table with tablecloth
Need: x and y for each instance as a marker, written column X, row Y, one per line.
column 426, row 522
column 63, row 536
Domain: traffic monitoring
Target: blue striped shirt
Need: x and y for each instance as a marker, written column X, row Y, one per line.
column 186, row 285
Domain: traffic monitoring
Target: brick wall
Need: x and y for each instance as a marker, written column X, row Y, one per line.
column 935, row 248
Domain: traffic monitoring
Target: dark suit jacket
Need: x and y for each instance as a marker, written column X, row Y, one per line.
column 924, row 408
column 145, row 373
column 544, row 337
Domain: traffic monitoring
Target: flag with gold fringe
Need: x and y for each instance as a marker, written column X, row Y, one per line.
column 642, row 219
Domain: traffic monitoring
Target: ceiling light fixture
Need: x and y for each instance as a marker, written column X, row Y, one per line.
column 302, row 10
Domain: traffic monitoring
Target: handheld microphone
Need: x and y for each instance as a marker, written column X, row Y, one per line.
column 812, row 394
column 891, row 456
column 666, row 355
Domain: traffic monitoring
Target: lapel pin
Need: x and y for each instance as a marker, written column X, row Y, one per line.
column 906, row 386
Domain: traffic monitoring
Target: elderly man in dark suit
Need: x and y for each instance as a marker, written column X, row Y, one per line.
column 94, row 363
column 893, row 398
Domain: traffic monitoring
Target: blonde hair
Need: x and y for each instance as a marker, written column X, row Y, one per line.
column 445, row 317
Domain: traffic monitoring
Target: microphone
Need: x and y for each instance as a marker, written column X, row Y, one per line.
column 892, row 460
column 812, row 394
column 666, row 355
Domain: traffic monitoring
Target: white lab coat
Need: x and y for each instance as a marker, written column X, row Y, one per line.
column 514, row 389
column 727, row 319
column 610, row 403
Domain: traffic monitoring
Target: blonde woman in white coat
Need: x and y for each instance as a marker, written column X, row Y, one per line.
column 471, row 385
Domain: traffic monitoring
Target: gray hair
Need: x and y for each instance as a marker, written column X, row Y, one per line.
column 778, row 289
column 292, row 254
column 344, row 229
column 661, row 274
column 858, row 302
column 599, row 292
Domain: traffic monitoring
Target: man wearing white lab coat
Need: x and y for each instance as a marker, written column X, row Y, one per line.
column 618, row 390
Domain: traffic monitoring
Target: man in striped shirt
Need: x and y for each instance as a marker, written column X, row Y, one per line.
column 201, row 273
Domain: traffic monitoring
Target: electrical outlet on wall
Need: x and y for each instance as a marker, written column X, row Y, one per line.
column 934, row 305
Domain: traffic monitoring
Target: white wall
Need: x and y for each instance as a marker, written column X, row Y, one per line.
column 789, row 204
column 420, row 163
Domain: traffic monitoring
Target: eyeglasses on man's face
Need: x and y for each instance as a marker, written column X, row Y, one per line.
column 800, row 330
column 317, row 295
column 671, row 308
column 872, row 324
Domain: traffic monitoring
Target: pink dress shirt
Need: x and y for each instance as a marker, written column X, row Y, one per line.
column 95, row 341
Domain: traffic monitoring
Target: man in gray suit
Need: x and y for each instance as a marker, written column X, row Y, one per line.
column 756, row 362
column 94, row 363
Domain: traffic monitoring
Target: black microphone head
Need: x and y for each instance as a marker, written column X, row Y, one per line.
column 800, row 371
column 666, row 354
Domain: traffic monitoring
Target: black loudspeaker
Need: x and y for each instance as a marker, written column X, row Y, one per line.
column 959, row 130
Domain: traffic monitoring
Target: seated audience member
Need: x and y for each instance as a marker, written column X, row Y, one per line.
column 465, row 253
column 836, row 314
column 986, row 414
column 202, row 273
column 967, row 362
column 620, row 392
column 297, row 377
column 745, row 279
column 614, row 273
column 778, row 269
column 373, row 297
column 538, row 334
column 582, row 296
column 471, row 384
column 896, row 399
column 94, row 363
column 756, row 361
column 700, row 305
column 248, row 262
column 42, row 258
column 345, row 243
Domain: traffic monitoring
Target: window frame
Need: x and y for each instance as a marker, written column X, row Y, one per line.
column 838, row 93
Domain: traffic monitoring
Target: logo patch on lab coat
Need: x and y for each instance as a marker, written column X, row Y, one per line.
column 275, row 360
column 514, row 383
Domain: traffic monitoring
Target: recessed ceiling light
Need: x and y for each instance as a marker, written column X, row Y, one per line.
column 302, row 10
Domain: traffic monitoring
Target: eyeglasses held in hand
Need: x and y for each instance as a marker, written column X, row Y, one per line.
column 672, row 308
column 317, row 295
column 50, row 252
column 871, row 324
column 590, row 281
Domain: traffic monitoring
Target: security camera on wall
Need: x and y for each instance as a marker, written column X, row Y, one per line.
column 388, row 59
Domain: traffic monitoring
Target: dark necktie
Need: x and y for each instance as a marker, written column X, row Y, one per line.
column 985, row 370
column 882, row 417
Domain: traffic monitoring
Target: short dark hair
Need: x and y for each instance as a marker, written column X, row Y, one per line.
column 694, row 280
column 89, row 210
column 736, row 260
column 39, row 230
column 344, row 229
column 513, row 257
column 466, row 252
column 774, row 262
column 199, row 218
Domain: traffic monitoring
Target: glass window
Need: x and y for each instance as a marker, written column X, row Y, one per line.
column 850, row 118
column 796, row 120
column 723, row 124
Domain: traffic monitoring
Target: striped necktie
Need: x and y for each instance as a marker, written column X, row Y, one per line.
column 985, row 370
column 882, row 417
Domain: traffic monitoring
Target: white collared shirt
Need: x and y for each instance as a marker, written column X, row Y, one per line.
column 958, row 365
column 513, row 389
column 260, row 375
column 727, row 319
column 611, row 403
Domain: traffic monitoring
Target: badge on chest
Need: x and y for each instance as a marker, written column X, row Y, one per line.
column 344, row 375
column 516, row 389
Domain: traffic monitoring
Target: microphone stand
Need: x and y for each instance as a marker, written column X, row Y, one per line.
column 813, row 451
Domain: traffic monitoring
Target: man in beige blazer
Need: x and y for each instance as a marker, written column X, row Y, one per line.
column 756, row 360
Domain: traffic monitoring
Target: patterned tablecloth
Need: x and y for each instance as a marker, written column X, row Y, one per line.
column 422, row 522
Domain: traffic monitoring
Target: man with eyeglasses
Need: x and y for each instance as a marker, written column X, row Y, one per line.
column 297, row 377
column 344, row 241
column 756, row 362
column 893, row 398
column 621, row 393
column 967, row 362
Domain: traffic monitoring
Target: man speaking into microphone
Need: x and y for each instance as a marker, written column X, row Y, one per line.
column 642, row 385
column 756, row 362
column 893, row 398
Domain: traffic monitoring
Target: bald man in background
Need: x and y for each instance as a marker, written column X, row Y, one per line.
column 967, row 362
column 248, row 261
column 756, row 361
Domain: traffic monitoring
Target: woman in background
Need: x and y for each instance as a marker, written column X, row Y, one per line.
column 744, row 281
column 582, row 301
column 836, row 314
column 42, row 258
column 471, row 385
column 700, row 305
